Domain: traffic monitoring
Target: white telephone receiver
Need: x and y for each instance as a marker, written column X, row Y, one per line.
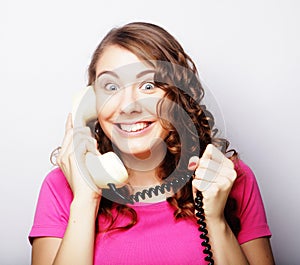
column 103, row 169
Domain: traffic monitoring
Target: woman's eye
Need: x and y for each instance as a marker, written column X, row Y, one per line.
column 111, row 87
column 147, row 86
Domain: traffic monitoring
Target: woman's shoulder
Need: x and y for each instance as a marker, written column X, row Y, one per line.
column 243, row 170
column 56, row 182
column 250, row 208
column 246, row 189
column 55, row 175
column 53, row 206
column 246, row 179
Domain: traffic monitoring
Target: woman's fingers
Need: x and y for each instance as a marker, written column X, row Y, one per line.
column 204, row 178
column 77, row 140
column 83, row 144
column 213, row 153
column 71, row 159
column 210, row 172
column 72, row 136
column 209, row 164
column 212, row 158
column 79, row 143
column 222, row 182
column 214, row 177
column 217, row 168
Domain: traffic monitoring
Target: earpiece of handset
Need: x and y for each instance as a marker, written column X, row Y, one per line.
column 103, row 169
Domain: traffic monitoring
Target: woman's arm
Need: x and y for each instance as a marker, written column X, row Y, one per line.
column 44, row 250
column 214, row 177
column 77, row 245
column 258, row 251
column 226, row 249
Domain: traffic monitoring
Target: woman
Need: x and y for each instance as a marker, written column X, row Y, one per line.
column 148, row 112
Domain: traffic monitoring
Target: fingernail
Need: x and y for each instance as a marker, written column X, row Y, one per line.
column 192, row 164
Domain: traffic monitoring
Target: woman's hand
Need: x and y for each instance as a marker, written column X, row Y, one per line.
column 71, row 159
column 214, row 177
column 77, row 244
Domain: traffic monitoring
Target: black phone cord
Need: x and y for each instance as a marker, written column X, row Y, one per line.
column 202, row 228
column 174, row 185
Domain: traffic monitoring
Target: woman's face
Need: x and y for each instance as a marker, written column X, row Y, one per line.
column 127, row 102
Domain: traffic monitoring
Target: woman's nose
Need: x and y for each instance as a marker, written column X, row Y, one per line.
column 129, row 100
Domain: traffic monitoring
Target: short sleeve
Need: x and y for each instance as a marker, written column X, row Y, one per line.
column 251, row 211
column 53, row 207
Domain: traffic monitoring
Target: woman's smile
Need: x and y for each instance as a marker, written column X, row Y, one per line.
column 134, row 127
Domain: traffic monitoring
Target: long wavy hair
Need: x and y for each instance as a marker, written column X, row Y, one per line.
column 177, row 75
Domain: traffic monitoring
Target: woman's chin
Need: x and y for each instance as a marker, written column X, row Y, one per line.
column 136, row 154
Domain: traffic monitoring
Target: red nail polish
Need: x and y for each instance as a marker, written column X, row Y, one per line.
column 192, row 164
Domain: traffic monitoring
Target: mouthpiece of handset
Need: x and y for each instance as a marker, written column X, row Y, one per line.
column 106, row 168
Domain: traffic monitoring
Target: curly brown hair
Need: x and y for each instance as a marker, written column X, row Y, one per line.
column 176, row 74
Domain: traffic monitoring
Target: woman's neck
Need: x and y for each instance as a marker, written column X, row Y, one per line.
column 143, row 179
column 143, row 171
column 142, row 168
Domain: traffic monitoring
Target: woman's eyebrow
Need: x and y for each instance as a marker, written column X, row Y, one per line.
column 108, row 73
column 150, row 71
column 114, row 74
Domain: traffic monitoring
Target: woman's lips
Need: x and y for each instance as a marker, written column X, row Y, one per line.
column 133, row 129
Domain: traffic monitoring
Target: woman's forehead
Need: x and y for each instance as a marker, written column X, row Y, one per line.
column 115, row 58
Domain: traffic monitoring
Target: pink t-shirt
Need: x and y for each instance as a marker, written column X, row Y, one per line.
column 157, row 238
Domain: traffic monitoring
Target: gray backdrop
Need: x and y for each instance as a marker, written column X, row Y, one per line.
column 247, row 53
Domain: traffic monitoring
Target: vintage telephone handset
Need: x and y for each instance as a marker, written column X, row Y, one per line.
column 84, row 110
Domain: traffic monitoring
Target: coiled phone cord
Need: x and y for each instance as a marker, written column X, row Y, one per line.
column 168, row 186
column 174, row 185
column 202, row 228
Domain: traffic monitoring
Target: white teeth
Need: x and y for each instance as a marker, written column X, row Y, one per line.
column 133, row 127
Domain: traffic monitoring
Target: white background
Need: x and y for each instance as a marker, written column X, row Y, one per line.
column 247, row 54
